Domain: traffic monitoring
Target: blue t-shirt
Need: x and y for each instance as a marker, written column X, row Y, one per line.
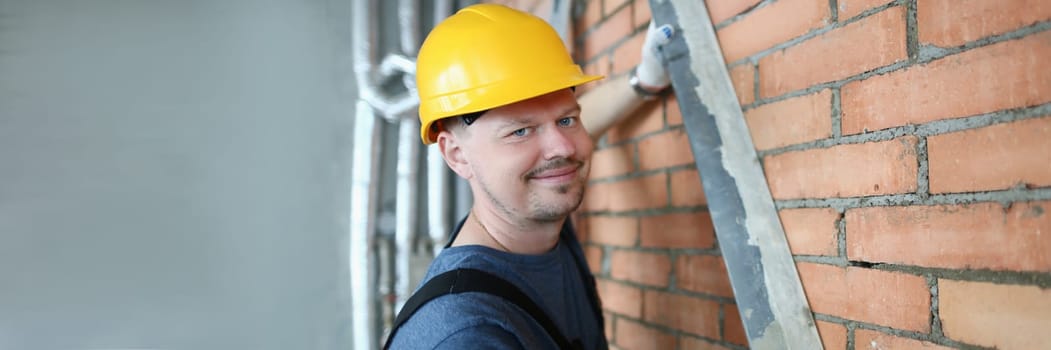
column 483, row 321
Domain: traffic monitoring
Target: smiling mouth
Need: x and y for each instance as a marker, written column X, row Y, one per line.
column 557, row 175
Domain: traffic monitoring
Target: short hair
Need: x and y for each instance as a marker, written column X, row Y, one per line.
column 456, row 123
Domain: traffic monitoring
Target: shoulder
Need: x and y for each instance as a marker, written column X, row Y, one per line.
column 480, row 337
column 451, row 321
column 478, row 258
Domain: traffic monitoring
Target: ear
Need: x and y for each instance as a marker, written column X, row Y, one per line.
column 453, row 152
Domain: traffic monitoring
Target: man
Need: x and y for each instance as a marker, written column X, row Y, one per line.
column 497, row 96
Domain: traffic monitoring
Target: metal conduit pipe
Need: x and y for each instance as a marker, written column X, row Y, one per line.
column 392, row 64
column 406, row 210
column 400, row 109
column 364, row 191
column 368, row 77
column 365, row 185
column 437, row 173
column 409, row 24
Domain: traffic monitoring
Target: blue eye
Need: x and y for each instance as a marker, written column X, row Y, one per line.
column 520, row 132
column 568, row 121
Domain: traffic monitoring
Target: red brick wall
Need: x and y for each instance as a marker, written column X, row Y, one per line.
column 907, row 145
column 644, row 221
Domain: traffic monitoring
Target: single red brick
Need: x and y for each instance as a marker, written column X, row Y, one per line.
column 947, row 88
column 743, row 78
column 616, row 231
column 847, row 9
column 615, row 27
column 703, row 274
column 626, row 56
column 642, row 13
column 721, row 10
column 640, row 267
column 792, row 121
column 873, row 340
column 612, row 161
column 678, row 231
column 686, row 189
column 851, row 170
column 620, row 298
column 992, row 315
column 597, row 198
column 810, row 62
column 592, row 15
column 688, row 314
column 949, row 23
column 974, row 236
column 833, row 335
column 733, row 329
column 666, row 149
column 884, row 298
column 646, row 192
column 753, row 33
column 1021, row 151
column 811, row 231
column 633, row 335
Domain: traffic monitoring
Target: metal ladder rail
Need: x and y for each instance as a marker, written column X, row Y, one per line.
column 773, row 308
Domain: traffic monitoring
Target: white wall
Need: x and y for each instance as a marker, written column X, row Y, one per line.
column 173, row 174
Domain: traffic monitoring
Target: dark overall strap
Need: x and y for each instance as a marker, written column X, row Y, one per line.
column 472, row 280
column 568, row 235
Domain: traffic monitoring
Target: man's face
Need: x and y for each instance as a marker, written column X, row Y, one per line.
column 530, row 159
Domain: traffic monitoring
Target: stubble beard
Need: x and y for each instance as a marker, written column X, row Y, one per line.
column 547, row 212
column 550, row 212
column 541, row 210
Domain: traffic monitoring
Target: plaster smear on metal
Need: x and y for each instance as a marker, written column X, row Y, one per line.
column 794, row 327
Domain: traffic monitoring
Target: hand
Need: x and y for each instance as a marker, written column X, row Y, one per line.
column 651, row 71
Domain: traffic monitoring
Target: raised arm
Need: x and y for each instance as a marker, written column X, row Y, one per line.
column 613, row 100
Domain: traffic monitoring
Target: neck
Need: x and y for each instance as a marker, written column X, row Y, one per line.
column 489, row 228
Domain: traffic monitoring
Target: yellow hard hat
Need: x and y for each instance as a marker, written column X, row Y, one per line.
column 486, row 56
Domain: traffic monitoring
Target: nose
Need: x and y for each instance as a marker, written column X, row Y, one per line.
column 558, row 143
